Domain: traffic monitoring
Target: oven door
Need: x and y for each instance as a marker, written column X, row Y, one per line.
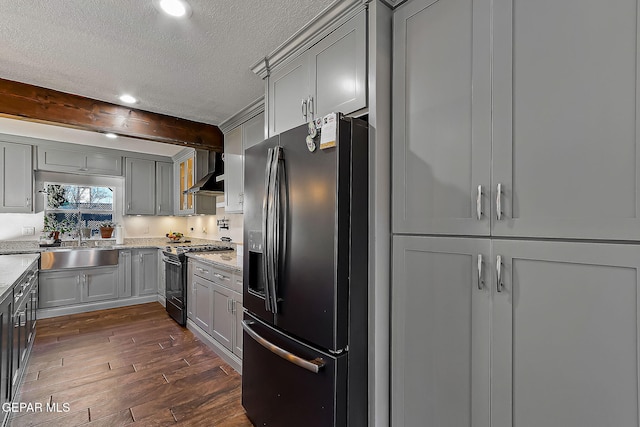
column 175, row 288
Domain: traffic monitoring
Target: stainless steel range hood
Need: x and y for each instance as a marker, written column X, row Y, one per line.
column 212, row 184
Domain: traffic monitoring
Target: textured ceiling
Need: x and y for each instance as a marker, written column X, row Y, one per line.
column 196, row 68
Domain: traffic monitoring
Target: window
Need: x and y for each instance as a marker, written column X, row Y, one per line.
column 71, row 207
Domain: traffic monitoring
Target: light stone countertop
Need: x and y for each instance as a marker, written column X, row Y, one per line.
column 12, row 267
column 229, row 260
column 21, row 247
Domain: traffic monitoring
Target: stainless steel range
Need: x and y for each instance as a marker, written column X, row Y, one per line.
column 175, row 265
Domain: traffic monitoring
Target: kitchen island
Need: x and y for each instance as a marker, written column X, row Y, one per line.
column 18, row 304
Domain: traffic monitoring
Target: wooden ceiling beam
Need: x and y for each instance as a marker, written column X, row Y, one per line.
column 32, row 103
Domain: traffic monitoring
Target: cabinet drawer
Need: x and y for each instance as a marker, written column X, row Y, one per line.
column 220, row 276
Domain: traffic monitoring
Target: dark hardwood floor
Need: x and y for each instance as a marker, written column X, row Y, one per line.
column 127, row 366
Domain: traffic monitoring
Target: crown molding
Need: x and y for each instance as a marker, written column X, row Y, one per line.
column 251, row 110
column 334, row 15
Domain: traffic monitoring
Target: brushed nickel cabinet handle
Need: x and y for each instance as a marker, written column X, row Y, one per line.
column 499, row 202
column 499, row 284
column 480, row 279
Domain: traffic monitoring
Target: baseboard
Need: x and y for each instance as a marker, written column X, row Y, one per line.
column 44, row 313
column 221, row 351
column 162, row 300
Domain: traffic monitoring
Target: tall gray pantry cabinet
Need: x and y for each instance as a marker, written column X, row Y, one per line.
column 515, row 169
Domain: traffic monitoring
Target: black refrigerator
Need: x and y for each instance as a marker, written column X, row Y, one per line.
column 305, row 276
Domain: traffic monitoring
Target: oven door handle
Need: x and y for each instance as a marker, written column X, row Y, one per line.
column 310, row 365
column 170, row 261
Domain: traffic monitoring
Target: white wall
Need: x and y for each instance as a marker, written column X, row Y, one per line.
column 205, row 227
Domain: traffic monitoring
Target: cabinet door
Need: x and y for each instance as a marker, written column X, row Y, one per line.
column 104, row 164
column 191, row 291
column 53, row 160
column 338, row 72
column 288, row 93
column 253, row 131
column 441, row 317
column 59, row 288
column 99, row 284
column 202, row 303
column 233, row 171
column 124, row 274
column 16, row 183
column 164, row 188
column 565, row 335
column 237, row 326
column 183, row 176
column 442, row 118
column 223, row 318
column 145, row 271
column 6, row 311
column 565, row 112
column 140, row 187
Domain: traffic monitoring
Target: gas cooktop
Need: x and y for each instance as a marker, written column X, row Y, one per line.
column 196, row 248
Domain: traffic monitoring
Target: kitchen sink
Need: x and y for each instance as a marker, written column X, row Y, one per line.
column 78, row 258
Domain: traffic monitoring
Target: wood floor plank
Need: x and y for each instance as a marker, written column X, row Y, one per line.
column 128, row 366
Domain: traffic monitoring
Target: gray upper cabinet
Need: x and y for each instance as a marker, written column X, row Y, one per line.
column 288, row 93
column 338, row 70
column 148, row 187
column 164, row 188
column 565, row 148
column 77, row 162
column 233, row 184
column 329, row 77
column 236, row 141
column 441, row 323
column 253, row 131
column 16, row 178
column 140, row 187
column 565, row 335
column 442, row 118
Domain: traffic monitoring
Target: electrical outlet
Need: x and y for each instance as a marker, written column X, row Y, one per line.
column 28, row 231
column 146, row 230
column 204, row 230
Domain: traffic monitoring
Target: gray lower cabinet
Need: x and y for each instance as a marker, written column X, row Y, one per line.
column 215, row 305
column 202, row 303
column 16, row 178
column 124, row 273
column 140, row 187
column 144, row 269
column 554, row 323
column 223, row 322
column 78, row 162
column 565, row 335
column 442, row 117
column 58, row 288
column 67, row 287
column 99, row 284
column 441, row 332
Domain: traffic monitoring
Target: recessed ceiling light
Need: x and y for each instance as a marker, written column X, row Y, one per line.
column 111, row 135
column 128, row 99
column 175, row 8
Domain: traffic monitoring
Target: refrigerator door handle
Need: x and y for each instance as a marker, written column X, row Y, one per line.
column 310, row 365
column 275, row 227
column 265, row 230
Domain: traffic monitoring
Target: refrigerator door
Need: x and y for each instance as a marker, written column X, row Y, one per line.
column 278, row 392
column 254, row 282
column 313, row 290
